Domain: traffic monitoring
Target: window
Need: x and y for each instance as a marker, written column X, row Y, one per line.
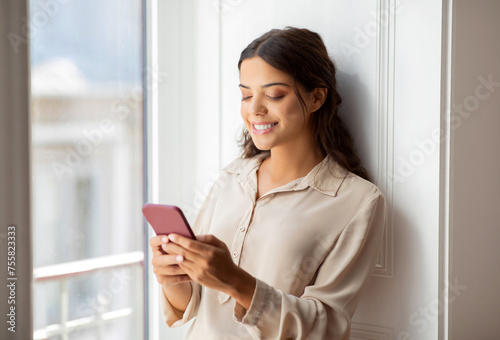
column 87, row 166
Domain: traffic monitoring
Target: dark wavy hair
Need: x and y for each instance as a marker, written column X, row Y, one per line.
column 302, row 54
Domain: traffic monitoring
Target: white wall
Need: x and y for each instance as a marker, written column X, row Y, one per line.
column 475, row 172
column 388, row 61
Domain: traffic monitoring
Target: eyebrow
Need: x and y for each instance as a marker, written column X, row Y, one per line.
column 266, row 85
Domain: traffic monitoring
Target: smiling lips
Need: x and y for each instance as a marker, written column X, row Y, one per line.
column 261, row 129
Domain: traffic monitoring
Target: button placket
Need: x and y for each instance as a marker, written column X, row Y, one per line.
column 239, row 236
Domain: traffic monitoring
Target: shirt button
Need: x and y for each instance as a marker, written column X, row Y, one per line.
column 235, row 254
column 242, row 229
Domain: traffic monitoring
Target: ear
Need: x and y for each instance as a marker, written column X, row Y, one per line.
column 319, row 97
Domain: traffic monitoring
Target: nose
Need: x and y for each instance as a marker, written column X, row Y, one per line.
column 257, row 106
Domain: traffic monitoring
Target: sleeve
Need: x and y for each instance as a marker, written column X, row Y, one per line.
column 325, row 309
column 172, row 316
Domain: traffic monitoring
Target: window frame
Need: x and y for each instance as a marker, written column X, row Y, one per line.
column 15, row 172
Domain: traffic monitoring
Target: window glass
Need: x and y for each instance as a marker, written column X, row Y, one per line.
column 87, row 168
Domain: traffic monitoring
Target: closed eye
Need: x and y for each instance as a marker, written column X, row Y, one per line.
column 245, row 98
column 275, row 99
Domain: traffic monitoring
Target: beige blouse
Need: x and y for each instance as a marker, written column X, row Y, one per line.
column 311, row 244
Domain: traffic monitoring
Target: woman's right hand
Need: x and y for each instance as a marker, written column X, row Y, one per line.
column 173, row 279
column 166, row 265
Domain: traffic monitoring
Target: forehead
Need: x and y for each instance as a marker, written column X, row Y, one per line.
column 255, row 71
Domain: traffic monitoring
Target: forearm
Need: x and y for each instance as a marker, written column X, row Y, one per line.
column 178, row 295
column 242, row 288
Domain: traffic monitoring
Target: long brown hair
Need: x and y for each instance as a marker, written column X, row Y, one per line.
column 302, row 54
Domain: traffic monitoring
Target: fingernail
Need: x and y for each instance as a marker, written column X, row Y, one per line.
column 164, row 239
column 172, row 237
column 179, row 258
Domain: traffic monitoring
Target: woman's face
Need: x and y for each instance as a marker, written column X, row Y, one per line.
column 270, row 108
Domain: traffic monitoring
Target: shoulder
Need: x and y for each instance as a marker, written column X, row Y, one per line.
column 335, row 180
column 357, row 185
column 364, row 195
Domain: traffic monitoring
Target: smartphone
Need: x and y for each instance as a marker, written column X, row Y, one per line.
column 167, row 219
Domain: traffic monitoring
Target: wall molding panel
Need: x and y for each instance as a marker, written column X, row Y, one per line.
column 384, row 178
column 360, row 331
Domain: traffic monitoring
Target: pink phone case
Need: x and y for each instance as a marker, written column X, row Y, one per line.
column 167, row 219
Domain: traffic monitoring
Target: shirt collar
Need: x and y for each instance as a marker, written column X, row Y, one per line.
column 326, row 177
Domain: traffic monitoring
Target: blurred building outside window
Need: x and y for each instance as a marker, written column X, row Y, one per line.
column 87, row 169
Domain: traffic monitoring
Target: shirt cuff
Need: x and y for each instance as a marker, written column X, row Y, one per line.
column 257, row 307
column 174, row 317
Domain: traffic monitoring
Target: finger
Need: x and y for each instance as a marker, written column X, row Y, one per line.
column 211, row 239
column 176, row 249
column 173, row 270
column 167, row 265
column 164, row 248
column 189, row 268
column 188, row 244
column 156, row 241
column 167, row 260
column 157, row 244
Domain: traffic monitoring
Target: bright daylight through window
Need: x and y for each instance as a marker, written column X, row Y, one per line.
column 87, row 175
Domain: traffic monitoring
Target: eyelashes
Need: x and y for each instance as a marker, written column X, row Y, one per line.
column 274, row 99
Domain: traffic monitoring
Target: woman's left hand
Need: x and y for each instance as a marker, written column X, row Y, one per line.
column 208, row 262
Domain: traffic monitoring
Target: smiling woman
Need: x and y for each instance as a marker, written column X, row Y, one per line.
column 271, row 110
column 304, row 64
column 289, row 234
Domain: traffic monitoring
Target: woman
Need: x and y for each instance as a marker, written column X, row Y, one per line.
column 290, row 232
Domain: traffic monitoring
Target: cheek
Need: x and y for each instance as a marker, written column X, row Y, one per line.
column 243, row 112
column 244, row 115
column 291, row 107
column 293, row 113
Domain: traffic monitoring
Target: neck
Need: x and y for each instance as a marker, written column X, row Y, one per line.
column 291, row 163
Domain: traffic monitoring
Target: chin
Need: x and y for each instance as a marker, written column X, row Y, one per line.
column 262, row 147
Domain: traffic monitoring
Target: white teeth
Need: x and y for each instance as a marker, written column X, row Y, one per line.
column 264, row 127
